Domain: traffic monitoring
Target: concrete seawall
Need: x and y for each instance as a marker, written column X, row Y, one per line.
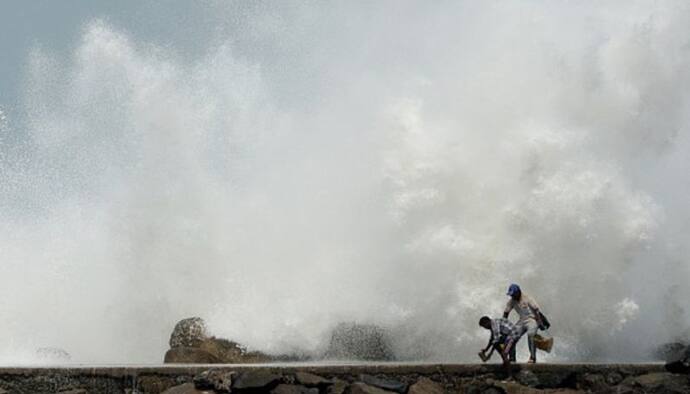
column 344, row 378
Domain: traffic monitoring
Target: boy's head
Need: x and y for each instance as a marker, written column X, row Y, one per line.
column 485, row 322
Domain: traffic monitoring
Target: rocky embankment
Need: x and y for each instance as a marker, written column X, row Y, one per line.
column 388, row 378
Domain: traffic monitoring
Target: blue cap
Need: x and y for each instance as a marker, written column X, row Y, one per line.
column 513, row 289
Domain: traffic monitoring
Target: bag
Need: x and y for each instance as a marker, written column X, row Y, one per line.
column 542, row 343
column 545, row 324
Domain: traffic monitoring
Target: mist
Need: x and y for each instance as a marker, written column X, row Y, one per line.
column 396, row 163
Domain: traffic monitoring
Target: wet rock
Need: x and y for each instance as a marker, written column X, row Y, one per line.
column 592, row 382
column 681, row 364
column 425, row 386
column 338, row 387
column 189, row 355
column 311, row 380
column 515, row 388
column 256, row 379
column 527, row 378
column 556, row 379
column 220, row 381
column 613, row 378
column 190, row 332
column 351, row 341
column 382, row 383
column 187, row 388
column 73, row 391
column 672, row 351
column 659, row 382
column 494, row 390
column 293, row 389
column 155, row 383
column 363, row 388
column 230, row 352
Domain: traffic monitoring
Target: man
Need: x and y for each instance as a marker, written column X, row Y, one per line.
column 501, row 331
column 529, row 320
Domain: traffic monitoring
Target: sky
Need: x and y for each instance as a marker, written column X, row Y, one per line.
column 58, row 25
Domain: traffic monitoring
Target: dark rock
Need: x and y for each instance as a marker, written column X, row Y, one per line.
column 223, row 349
column 680, row 367
column 338, row 387
column 556, row 379
column 425, row 386
column 527, row 378
column 363, row 388
column 311, row 380
column 670, row 352
column 220, row 381
column 230, row 352
column 187, row 388
column 190, row 332
column 515, row 388
column 659, row 382
column 189, row 355
column 613, row 378
column 681, row 362
column 74, row 391
column 351, row 341
column 382, row 383
column 256, row 379
column 154, row 383
column 293, row 389
column 592, row 382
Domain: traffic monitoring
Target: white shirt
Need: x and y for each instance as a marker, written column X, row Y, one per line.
column 525, row 308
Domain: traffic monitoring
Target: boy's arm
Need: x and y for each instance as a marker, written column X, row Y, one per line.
column 490, row 344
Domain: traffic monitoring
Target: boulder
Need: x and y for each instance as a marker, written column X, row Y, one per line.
column 155, row 383
column 527, row 378
column 592, row 382
column 338, row 387
column 363, row 388
column 256, row 380
column 681, row 362
column 426, row 386
column 187, row 388
column 230, row 352
column 384, row 383
column 516, row 388
column 671, row 351
column 293, row 389
column 311, row 380
column 658, row 382
column 613, row 378
column 352, row 341
column 189, row 355
column 218, row 380
column 190, row 332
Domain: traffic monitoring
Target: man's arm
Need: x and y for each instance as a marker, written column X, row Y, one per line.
column 509, row 307
column 535, row 309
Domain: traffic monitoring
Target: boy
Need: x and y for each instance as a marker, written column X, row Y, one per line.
column 502, row 332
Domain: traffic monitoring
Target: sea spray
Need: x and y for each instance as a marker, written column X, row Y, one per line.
column 397, row 164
